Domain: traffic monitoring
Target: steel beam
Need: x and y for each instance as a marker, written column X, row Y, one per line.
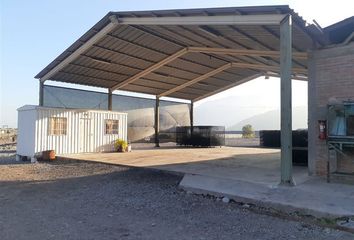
column 191, row 115
column 203, row 40
column 159, row 52
column 266, row 19
column 267, row 67
column 109, row 100
column 245, row 52
column 108, row 28
column 198, row 79
column 348, row 39
column 150, row 69
column 157, row 122
column 146, row 60
column 285, row 98
column 223, row 68
column 172, row 35
column 173, row 41
column 234, row 84
column 293, row 77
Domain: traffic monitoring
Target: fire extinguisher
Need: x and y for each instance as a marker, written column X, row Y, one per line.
column 322, row 126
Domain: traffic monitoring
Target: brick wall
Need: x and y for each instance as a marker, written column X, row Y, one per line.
column 331, row 74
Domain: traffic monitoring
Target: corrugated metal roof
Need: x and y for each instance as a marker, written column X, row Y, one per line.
column 127, row 50
column 340, row 31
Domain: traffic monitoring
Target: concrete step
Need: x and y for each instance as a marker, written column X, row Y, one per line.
column 343, row 178
column 315, row 197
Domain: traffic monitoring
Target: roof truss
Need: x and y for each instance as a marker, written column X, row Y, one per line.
column 265, row 68
column 245, row 52
column 150, row 69
column 221, row 51
column 196, row 80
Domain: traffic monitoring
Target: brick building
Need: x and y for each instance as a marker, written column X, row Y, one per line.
column 331, row 78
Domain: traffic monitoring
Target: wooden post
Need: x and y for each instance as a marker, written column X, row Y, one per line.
column 109, row 99
column 41, row 93
column 285, row 98
column 157, row 122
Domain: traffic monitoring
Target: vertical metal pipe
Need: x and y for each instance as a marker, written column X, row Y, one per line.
column 191, row 116
column 157, row 122
column 109, row 99
column 285, row 98
column 41, row 92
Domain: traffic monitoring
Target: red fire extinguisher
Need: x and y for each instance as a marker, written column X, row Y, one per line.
column 322, row 125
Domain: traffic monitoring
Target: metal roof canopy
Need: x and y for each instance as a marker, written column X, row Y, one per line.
column 188, row 54
column 192, row 54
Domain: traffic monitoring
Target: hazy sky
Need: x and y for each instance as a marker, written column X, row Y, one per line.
column 34, row 32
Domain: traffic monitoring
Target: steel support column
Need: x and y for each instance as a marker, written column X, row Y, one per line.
column 157, row 122
column 109, row 99
column 191, row 116
column 41, row 93
column 285, row 98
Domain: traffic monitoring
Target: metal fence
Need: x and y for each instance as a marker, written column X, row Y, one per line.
column 271, row 138
column 204, row 136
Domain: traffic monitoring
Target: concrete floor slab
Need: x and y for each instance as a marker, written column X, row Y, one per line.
column 244, row 174
column 259, row 165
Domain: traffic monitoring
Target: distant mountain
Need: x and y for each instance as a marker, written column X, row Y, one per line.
column 256, row 102
column 271, row 120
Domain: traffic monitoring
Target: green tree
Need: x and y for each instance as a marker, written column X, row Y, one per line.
column 247, row 131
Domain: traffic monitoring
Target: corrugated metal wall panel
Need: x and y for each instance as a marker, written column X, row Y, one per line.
column 94, row 131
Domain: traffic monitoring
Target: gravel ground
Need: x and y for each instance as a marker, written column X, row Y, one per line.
column 78, row 200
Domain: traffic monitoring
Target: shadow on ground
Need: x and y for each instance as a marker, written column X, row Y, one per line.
column 98, row 201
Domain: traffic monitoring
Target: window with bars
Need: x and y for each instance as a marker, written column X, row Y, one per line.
column 57, row 126
column 112, row 126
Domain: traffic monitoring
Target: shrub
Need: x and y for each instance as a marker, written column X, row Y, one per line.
column 120, row 145
column 247, row 131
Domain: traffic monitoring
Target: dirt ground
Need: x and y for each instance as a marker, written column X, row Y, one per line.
column 82, row 200
column 166, row 155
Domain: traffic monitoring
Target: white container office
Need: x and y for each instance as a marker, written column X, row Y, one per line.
column 68, row 131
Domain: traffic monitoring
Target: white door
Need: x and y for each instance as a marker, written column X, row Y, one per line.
column 85, row 135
